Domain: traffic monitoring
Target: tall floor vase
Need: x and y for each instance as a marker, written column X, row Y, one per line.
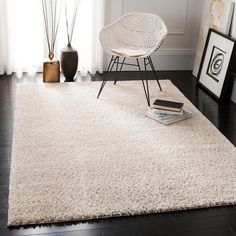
column 69, row 62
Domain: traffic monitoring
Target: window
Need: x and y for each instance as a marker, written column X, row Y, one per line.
column 23, row 44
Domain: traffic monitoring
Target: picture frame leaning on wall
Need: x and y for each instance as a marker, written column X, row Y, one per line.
column 217, row 64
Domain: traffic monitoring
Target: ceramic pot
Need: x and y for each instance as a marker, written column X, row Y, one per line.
column 69, row 63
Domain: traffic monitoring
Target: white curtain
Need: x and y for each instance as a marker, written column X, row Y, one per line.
column 4, row 52
column 22, row 36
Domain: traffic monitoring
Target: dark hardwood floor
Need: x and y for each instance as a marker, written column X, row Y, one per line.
column 201, row 222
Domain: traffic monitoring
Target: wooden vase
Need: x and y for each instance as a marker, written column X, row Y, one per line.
column 51, row 70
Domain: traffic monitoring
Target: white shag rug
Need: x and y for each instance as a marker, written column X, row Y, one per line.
column 75, row 157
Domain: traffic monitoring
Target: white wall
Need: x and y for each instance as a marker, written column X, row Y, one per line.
column 233, row 29
column 183, row 21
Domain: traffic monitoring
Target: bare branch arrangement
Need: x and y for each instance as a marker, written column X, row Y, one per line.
column 70, row 28
column 51, row 13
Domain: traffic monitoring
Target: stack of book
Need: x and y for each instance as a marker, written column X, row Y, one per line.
column 167, row 112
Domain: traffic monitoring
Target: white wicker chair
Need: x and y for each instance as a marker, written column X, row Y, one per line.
column 134, row 35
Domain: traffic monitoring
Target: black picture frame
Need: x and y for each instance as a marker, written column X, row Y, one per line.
column 218, row 60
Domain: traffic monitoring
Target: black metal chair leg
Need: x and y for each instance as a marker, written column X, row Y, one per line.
column 121, row 67
column 154, row 71
column 105, row 77
column 109, row 69
column 117, row 64
column 147, row 61
column 145, row 90
column 145, row 67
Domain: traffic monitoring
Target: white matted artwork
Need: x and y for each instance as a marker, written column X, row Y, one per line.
column 217, row 14
column 215, row 68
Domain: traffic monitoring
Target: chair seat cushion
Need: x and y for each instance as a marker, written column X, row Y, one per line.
column 128, row 52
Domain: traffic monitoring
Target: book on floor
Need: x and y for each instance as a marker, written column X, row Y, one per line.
column 167, row 119
column 166, row 112
column 168, row 105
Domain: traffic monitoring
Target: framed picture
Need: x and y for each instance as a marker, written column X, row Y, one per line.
column 215, row 14
column 217, row 63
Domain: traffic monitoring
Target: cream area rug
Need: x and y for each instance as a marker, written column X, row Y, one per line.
column 75, row 157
